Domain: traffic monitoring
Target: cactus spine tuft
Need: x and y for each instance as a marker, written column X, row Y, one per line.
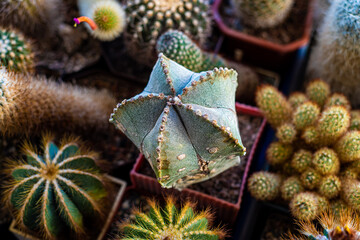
column 264, row 185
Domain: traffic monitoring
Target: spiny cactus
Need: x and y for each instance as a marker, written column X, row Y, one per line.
column 28, row 104
column 305, row 115
column 337, row 206
column 290, row 187
column 348, row 147
column 15, row 51
column 106, row 18
column 277, row 153
column 318, row 91
column 263, row 13
column 338, row 99
column 170, row 222
column 326, row 161
column 273, row 105
column 148, row 19
column 351, row 193
column 55, row 189
column 310, row 178
column 311, row 136
column 355, row 123
column 296, row 99
column 264, row 185
column 184, row 123
column 301, row 160
column 304, row 206
column 330, row 186
column 286, row 133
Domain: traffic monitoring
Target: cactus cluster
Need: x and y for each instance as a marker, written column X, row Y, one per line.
column 170, row 222
column 147, row 20
column 263, row 13
column 316, row 153
column 184, row 123
column 56, row 189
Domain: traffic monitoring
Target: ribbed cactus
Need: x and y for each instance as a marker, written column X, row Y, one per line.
column 170, row 222
column 56, row 189
column 310, row 178
column 15, row 51
column 264, row 185
column 318, row 91
column 301, row 160
column 330, row 186
column 184, row 123
column 326, row 161
column 28, row 104
column 106, row 18
column 304, row 206
column 286, row 133
column 296, row 99
column 263, row 13
column 305, row 115
column 290, row 187
column 348, row 147
column 277, row 153
column 148, row 19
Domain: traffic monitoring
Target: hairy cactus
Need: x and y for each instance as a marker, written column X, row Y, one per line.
column 318, row 91
column 264, row 185
column 56, row 189
column 147, row 20
column 304, row 206
column 338, row 99
column 310, row 178
column 305, row 115
column 277, row 153
column 184, row 123
column 301, row 160
column 106, row 18
column 263, row 14
column 290, row 187
column 330, row 186
column 170, row 222
column 28, row 104
column 273, row 104
column 348, row 147
column 351, row 193
column 286, row 133
column 15, row 51
column 326, row 161
column 296, row 99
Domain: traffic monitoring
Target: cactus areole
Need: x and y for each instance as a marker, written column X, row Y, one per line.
column 184, row 123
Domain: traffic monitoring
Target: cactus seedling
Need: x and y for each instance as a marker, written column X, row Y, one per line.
column 290, row 187
column 286, row 133
column 277, row 153
column 305, row 206
column 301, row 160
column 55, row 189
column 326, row 161
column 318, row 91
column 170, row 223
column 330, row 186
column 264, row 185
column 305, row 115
column 184, row 123
column 348, row 147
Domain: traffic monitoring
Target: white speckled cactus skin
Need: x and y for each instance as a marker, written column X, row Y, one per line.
column 184, row 123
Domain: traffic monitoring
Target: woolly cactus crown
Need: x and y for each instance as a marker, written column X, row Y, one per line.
column 347, row 18
column 184, row 123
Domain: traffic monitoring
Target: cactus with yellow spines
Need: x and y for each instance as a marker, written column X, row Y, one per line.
column 28, row 104
column 290, row 187
column 305, row 115
column 337, row 206
column 351, row 193
column 296, row 99
column 55, row 189
column 170, row 222
column 338, row 99
column 305, row 206
column 286, row 133
column 325, row 161
column 301, row 160
column 348, row 147
column 310, row 178
column 318, row 91
column 277, row 153
column 330, row 186
column 311, row 136
column 264, row 185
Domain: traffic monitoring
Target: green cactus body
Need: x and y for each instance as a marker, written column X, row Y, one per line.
column 311, row 136
column 170, row 223
column 337, row 206
column 148, row 19
column 15, row 52
column 211, row 60
column 330, row 186
column 290, row 187
column 305, row 115
column 323, row 204
column 301, row 160
column 264, row 185
column 318, row 91
column 273, row 105
column 348, row 147
column 56, row 189
column 338, row 99
column 277, row 153
column 296, row 99
column 184, row 123
column 355, row 123
column 326, row 161
column 304, row 206
column 351, row 193
column 310, row 178
column 286, row 133
column 262, row 13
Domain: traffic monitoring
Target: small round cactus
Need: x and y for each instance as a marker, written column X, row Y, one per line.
column 326, row 161
column 277, row 153
column 286, row 133
column 348, row 147
column 305, row 115
column 310, row 178
column 337, row 206
column 273, row 104
column 287, row 169
column 351, row 193
column 170, row 222
column 318, row 91
column 349, row 172
column 290, row 187
column 330, row 186
column 310, row 135
column 264, row 185
column 15, row 51
column 262, row 13
column 296, row 99
column 355, row 123
column 301, row 160
column 304, row 206
column 338, row 99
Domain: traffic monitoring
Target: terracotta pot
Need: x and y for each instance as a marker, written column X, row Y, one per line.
column 224, row 210
column 119, row 184
column 258, row 51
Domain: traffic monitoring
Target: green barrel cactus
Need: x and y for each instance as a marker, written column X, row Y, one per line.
column 184, row 123
column 326, row 161
column 351, row 193
column 305, row 115
column 290, row 187
column 277, row 153
column 318, row 91
column 338, row 99
column 57, row 189
column 15, row 52
column 147, row 20
column 170, row 222
column 296, row 99
column 286, row 133
column 330, row 186
column 348, row 147
column 301, row 160
column 305, row 206
column 264, row 185
column 310, row 178
column 263, row 13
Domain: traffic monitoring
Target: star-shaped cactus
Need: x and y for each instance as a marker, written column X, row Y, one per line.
column 184, row 123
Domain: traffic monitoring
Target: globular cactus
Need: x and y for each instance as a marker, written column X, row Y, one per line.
column 326, row 161
column 273, row 104
column 348, row 147
column 337, row 206
column 184, row 123
column 301, row 160
column 349, row 172
column 305, row 206
column 355, row 123
column 318, row 91
column 57, row 189
column 305, row 115
column 338, row 99
column 311, row 136
column 148, row 19
column 262, row 13
column 286, row 133
column 170, row 222
column 28, row 104
column 330, row 186
column 277, row 153
column 15, row 51
column 296, row 99
column 106, row 18
column 264, row 185
column 351, row 193
column 290, row 187
column 310, row 178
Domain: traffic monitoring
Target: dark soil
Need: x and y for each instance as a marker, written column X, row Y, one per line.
column 226, row 185
column 276, row 226
column 290, row 30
